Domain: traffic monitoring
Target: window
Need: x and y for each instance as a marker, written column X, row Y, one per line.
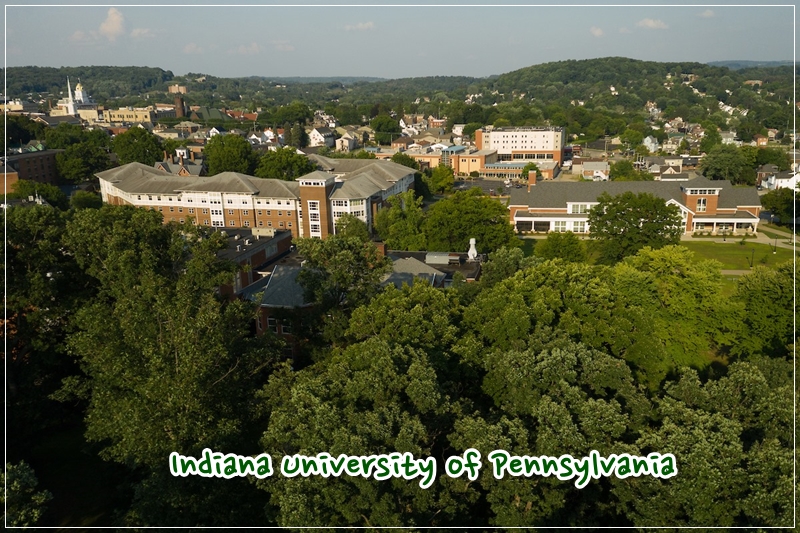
column 246, row 223
column 259, row 211
column 313, row 205
column 180, row 210
column 231, row 223
column 288, row 213
column 272, row 324
column 579, row 209
column 191, row 210
column 560, row 226
column 269, row 213
column 190, row 200
column 230, row 211
column 289, row 224
column 230, row 201
column 161, row 209
column 313, row 217
column 181, row 221
column 149, row 197
column 205, row 211
column 245, row 212
column 579, row 227
column 260, row 223
column 286, row 327
column 701, row 205
column 315, row 228
column 171, row 209
column 269, row 223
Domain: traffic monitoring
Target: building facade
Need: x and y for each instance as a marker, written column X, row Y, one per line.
column 308, row 207
column 523, row 144
column 713, row 206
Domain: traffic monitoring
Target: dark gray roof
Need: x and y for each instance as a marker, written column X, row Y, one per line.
column 279, row 289
column 405, row 270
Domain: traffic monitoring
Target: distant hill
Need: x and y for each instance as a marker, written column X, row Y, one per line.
column 741, row 64
column 345, row 80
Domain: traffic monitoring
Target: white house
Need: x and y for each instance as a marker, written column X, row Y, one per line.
column 651, row 143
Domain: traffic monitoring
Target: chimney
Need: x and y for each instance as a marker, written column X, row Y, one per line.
column 531, row 179
column 381, row 246
column 191, row 155
column 181, row 159
column 165, row 155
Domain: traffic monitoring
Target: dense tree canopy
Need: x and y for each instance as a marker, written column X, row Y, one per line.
column 230, row 153
column 626, row 223
column 283, row 164
column 137, row 145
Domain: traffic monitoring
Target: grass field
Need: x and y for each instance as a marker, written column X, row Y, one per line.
column 734, row 256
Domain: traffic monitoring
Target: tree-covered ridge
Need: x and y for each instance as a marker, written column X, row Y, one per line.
column 102, row 82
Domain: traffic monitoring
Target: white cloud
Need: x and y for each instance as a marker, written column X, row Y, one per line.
column 652, row 24
column 597, row 32
column 139, row 33
column 624, row 30
column 707, row 14
column 361, row 26
column 192, row 48
column 113, row 26
column 283, row 46
column 246, row 49
column 79, row 37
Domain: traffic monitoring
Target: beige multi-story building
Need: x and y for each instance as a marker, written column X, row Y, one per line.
column 523, row 144
column 139, row 114
column 308, row 207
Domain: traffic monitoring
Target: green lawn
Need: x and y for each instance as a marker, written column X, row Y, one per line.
column 734, row 256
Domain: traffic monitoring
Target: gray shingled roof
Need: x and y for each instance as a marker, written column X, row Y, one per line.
column 137, row 178
column 279, row 289
column 405, row 270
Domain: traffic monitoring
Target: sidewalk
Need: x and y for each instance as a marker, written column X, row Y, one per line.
column 732, row 239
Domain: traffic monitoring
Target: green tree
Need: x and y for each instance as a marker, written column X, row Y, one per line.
column 406, row 160
column 441, row 180
column 781, row 203
column 63, row 136
column 52, row 194
column 167, row 365
column 400, row 224
column 385, row 128
column 450, row 223
column 624, row 171
column 626, row 223
column 137, row 145
column 229, row 153
column 81, row 161
column 374, row 397
column 349, row 225
column 503, row 264
column 85, row 200
column 528, row 168
column 299, row 136
column 774, row 156
column 711, row 138
column 471, row 128
column 284, row 164
column 724, row 162
column 22, row 505
column 566, row 246
column 340, row 271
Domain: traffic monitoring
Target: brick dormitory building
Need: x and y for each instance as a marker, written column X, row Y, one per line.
column 713, row 206
column 307, row 207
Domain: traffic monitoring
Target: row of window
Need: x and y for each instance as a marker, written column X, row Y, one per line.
column 273, row 324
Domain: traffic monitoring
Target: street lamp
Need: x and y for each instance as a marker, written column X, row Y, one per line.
column 775, row 250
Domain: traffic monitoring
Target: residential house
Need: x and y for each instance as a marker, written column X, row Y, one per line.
column 761, row 140
column 402, row 143
column 322, row 136
column 182, row 163
column 651, row 143
column 786, row 179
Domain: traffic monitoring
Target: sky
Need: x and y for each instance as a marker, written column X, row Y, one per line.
column 388, row 41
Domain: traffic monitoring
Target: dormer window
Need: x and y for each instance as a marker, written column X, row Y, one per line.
column 701, row 205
